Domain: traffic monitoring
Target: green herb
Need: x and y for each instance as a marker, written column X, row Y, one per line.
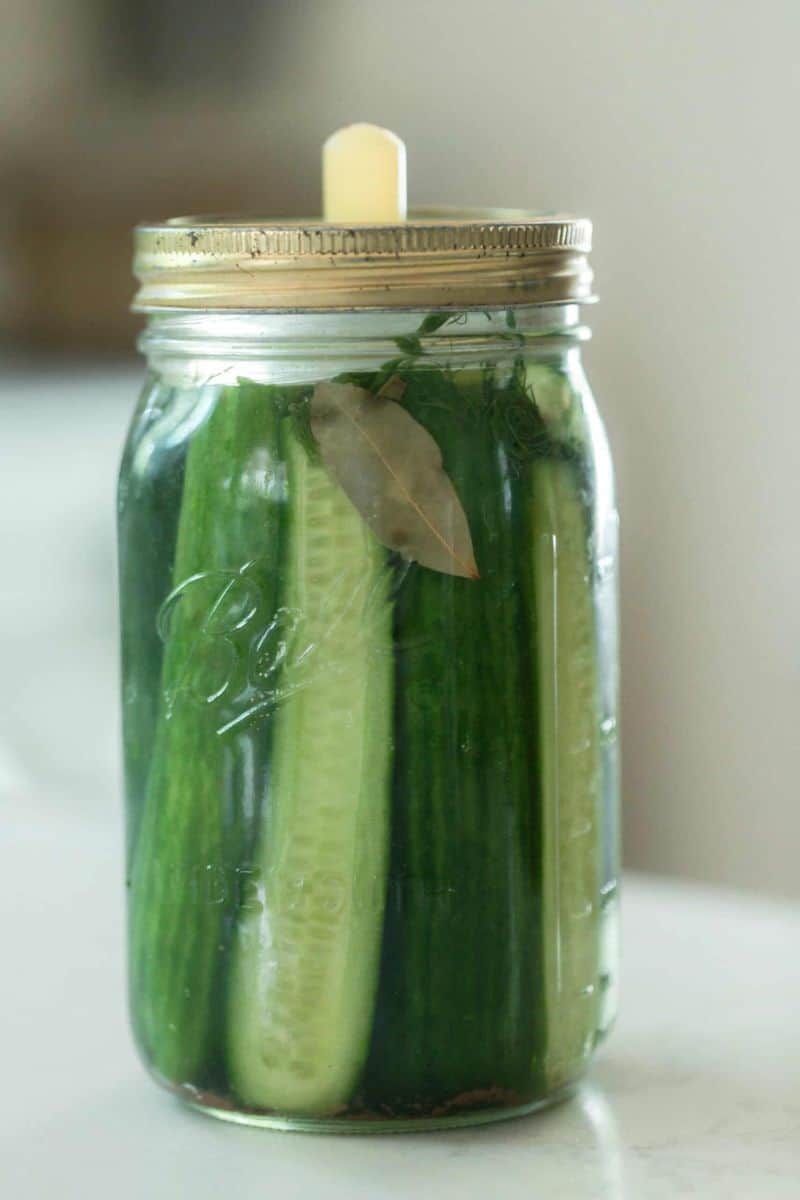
column 435, row 321
column 409, row 345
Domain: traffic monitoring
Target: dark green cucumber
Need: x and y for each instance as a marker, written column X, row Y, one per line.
column 570, row 751
column 305, row 957
column 460, row 1003
column 208, row 769
column 151, row 480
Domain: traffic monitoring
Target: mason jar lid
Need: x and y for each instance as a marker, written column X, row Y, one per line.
column 438, row 258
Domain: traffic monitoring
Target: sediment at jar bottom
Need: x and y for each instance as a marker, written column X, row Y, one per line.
column 470, row 1108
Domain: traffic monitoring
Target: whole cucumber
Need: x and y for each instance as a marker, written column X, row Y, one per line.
column 207, row 777
column 460, row 1015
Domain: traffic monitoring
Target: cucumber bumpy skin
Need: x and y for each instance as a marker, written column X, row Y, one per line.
column 460, row 1009
column 305, row 957
column 570, row 756
column 204, row 788
column 150, row 485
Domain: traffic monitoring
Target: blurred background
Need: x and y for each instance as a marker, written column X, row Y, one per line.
column 674, row 126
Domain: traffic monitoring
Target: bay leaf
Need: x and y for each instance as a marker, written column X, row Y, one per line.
column 391, row 470
column 393, row 389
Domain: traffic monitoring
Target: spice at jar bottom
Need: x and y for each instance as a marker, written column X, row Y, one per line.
column 367, row 568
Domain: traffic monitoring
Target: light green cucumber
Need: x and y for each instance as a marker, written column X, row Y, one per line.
column 570, row 763
column 305, row 957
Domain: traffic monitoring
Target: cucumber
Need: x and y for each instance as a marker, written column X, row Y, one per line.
column 304, row 963
column 365, row 840
column 459, row 1013
column 570, row 756
column 151, row 480
column 205, row 786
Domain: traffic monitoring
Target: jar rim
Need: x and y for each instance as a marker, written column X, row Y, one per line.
column 443, row 258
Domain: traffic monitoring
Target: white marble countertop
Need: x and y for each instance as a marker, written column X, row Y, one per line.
column 697, row 1093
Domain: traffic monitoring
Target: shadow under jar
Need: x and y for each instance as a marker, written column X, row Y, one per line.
column 368, row 586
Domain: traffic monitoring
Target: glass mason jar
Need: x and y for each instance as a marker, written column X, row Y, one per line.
column 367, row 568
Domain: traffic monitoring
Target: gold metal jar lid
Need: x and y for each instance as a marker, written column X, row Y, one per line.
column 440, row 258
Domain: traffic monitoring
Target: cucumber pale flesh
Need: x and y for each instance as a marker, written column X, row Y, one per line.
column 306, row 952
column 570, row 764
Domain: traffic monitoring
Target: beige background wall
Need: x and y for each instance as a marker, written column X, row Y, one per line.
column 672, row 124
column 675, row 126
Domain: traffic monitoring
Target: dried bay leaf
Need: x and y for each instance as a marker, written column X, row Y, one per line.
column 393, row 389
column 391, row 470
